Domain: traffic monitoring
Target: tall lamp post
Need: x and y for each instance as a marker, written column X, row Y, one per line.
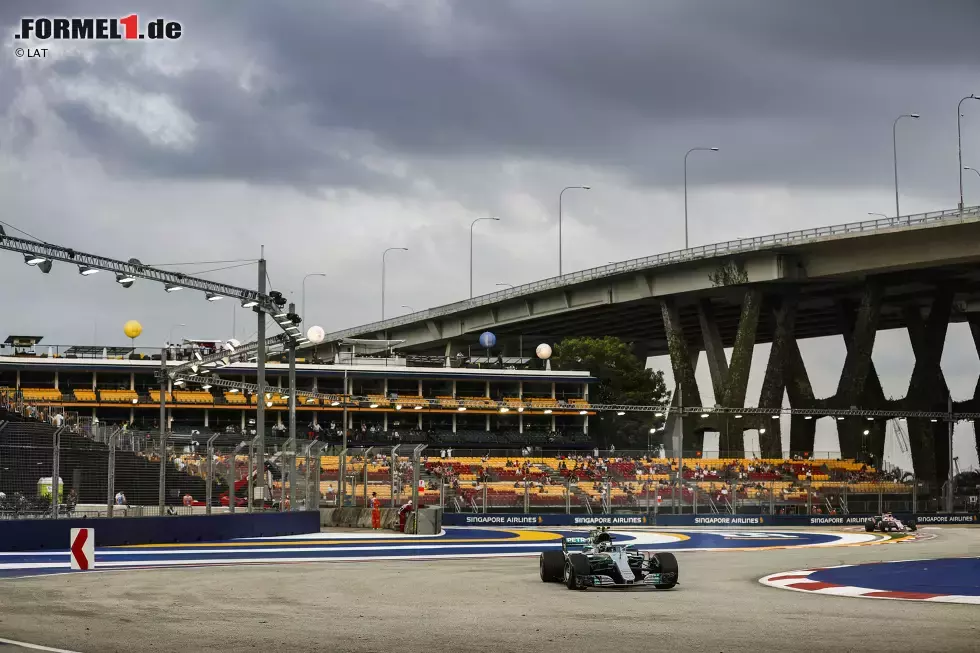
column 170, row 338
column 959, row 139
column 559, row 218
column 974, row 170
column 311, row 274
column 693, row 149
column 473, row 224
column 882, row 215
column 410, row 309
column 508, row 285
column 385, row 254
column 895, row 155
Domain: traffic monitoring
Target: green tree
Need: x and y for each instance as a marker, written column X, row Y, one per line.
column 623, row 379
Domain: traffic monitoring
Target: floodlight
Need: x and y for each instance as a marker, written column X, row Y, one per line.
column 418, row 408
column 34, row 260
column 249, row 303
column 86, row 271
column 211, row 297
column 172, row 287
column 125, row 280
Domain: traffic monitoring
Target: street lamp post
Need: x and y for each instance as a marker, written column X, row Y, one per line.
column 473, row 224
column 974, row 170
column 693, row 149
column 878, row 214
column 383, row 255
column 895, row 155
column 959, row 139
column 559, row 218
column 508, row 285
column 311, row 274
column 170, row 338
column 410, row 309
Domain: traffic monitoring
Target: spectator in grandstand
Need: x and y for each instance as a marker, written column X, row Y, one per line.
column 120, row 498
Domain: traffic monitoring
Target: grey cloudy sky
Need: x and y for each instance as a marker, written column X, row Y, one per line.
column 328, row 130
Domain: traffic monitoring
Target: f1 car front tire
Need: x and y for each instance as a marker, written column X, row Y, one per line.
column 552, row 564
column 571, row 575
column 668, row 565
column 869, row 527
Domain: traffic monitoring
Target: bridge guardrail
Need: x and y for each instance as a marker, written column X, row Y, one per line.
column 691, row 254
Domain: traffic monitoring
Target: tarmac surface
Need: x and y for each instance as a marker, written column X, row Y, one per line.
column 486, row 604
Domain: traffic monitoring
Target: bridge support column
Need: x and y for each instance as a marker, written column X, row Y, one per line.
column 975, row 332
column 859, row 385
column 927, row 388
column 799, row 390
column 683, row 366
column 774, row 382
column 730, row 381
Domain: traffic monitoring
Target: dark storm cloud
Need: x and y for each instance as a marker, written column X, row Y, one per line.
column 797, row 93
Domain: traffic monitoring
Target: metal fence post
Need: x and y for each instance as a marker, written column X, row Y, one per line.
column 253, row 473
column 809, row 497
column 484, row 497
column 367, row 452
column 568, row 495
column 162, row 498
column 881, row 500
column 915, row 494
column 393, row 470
column 694, row 501
column 111, row 474
column 342, row 478
column 209, row 492
column 416, row 463
column 55, row 471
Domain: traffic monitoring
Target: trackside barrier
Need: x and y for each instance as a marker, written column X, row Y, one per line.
column 48, row 534
column 514, row 519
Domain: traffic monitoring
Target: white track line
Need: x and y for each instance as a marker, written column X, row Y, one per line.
column 34, row 647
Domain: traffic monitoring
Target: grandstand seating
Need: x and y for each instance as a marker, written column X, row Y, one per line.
column 119, row 396
column 41, row 394
column 84, row 395
column 29, row 444
column 193, row 397
column 235, row 398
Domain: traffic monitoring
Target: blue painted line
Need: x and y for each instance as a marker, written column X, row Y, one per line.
column 946, row 576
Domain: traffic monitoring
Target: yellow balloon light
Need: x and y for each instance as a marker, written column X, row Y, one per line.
column 132, row 329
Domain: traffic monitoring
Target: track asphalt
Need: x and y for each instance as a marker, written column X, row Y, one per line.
column 491, row 603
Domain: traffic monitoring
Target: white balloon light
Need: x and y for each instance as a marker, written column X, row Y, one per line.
column 543, row 351
column 316, row 334
column 232, row 345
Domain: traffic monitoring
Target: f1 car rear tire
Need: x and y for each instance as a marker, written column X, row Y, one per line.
column 668, row 565
column 913, row 527
column 869, row 527
column 552, row 566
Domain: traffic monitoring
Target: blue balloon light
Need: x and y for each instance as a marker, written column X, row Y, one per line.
column 487, row 340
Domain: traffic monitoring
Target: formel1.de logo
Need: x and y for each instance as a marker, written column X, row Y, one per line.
column 130, row 27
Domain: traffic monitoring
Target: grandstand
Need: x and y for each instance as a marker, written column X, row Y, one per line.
column 385, row 402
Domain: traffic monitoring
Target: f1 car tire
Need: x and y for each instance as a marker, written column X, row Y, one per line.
column 869, row 527
column 668, row 565
column 575, row 566
column 913, row 527
column 552, row 564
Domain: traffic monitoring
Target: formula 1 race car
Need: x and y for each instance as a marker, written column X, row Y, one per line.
column 888, row 523
column 594, row 561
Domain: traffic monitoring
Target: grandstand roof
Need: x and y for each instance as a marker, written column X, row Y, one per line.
column 94, row 350
column 148, row 365
column 20, row 341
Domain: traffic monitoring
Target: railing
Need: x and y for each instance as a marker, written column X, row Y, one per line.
column 669, row 258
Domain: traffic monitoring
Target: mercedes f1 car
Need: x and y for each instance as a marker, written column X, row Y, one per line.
column 594, row 561
column 888, row 523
